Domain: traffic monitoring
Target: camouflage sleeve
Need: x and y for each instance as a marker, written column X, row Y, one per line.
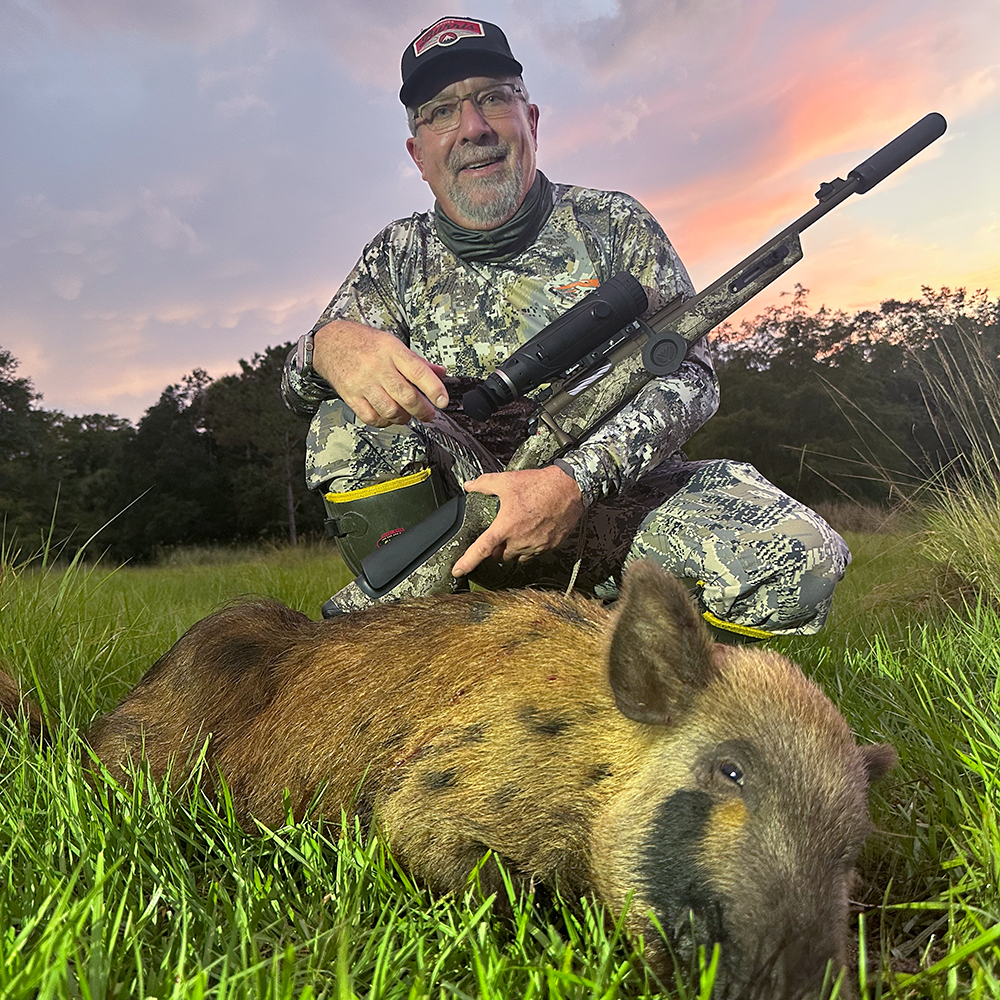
column 665, row 413
column 668, row 410
column 302, row 394
column 367, row 296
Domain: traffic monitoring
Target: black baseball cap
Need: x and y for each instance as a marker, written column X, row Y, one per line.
column 452, row 49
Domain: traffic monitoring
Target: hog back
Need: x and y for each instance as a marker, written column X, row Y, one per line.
column 479, row 721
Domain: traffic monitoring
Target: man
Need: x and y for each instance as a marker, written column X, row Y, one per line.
column 454, row 292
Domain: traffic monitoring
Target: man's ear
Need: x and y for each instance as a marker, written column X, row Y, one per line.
column 416, row 154
column 533, row 122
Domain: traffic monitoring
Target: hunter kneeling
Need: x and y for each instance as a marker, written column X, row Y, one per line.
column 439, row 299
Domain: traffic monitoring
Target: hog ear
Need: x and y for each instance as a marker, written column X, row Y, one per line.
column 879, row 758
column 661, row 652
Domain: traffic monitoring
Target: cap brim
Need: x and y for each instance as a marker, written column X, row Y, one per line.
column 448, row 68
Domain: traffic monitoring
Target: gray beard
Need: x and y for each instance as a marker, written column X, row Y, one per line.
column 506, row 197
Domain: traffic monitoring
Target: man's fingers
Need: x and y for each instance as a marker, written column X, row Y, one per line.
column 482, row 548
column 377, row 375
column 393, row 400
column 364, row 411
column 482, row 484
column 420, row 373
column 538, row 510
column 385, row 410
column 404, row 401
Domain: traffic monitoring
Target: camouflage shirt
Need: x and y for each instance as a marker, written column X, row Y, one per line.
column 470, row 316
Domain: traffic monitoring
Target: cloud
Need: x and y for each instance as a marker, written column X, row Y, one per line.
column 190, row 181
column 199, row 22
column 67, row 286
column 85, row 360
column 852, row 266
column 630, row 37
column 365, row 40
column 744, row 158
column 75, row 246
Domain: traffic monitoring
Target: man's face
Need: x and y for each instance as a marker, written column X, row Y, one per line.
column 481, row 171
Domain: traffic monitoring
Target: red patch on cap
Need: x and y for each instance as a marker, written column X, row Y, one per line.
column 447, row 32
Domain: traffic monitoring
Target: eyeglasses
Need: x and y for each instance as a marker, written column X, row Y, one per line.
column 491, row 102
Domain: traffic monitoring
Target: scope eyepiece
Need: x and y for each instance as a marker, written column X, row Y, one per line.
column 563, row 343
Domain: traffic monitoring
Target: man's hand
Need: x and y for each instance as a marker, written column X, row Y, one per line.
column 538, row 510
column 377, row 375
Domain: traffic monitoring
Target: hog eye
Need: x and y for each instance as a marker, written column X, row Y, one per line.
column 732, row 771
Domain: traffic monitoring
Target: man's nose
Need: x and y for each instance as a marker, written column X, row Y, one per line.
column 472, row 125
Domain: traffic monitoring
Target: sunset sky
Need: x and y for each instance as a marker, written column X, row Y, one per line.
column 186, row 182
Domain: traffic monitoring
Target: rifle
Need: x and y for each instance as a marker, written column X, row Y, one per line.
column 601, row 382
column 596, row 357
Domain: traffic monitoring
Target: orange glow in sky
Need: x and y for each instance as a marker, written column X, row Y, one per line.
column 185, row 185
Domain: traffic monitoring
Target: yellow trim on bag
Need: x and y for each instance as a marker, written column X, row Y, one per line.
column 386, row 487
column 747, row 630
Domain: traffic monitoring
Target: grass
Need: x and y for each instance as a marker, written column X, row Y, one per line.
column 931, row 873
column 962, row 529
column 109, row 893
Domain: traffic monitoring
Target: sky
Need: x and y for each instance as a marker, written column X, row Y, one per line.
column 184, row 183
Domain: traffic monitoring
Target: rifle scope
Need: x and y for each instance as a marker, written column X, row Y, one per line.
column 580, row 330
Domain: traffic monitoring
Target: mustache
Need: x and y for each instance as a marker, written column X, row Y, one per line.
column 462, row 156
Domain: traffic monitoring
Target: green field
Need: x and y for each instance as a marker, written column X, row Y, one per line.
column 108, row 894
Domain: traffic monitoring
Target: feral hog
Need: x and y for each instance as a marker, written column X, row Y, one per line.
column 611, row 752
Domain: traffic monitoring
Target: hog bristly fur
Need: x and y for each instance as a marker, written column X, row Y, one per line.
column 765, row 864
column 615, row 752
column 14, row 705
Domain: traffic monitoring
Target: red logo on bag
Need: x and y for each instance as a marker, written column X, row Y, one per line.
column 447, row 32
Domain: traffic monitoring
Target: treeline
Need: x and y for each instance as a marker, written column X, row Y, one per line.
column 212, row 461
column 831, row 406
column 826, row 404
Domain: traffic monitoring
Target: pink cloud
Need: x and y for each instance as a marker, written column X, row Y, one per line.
column 841, row 100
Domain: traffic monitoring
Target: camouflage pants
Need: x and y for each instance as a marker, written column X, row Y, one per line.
column 758, row 560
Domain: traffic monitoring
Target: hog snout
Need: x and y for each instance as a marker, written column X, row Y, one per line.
column 789, row 962
column 716, row 874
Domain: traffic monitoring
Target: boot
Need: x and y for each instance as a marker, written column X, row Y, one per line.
column 722, row 631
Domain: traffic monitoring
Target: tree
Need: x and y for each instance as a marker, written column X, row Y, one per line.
column 16, row 398
column 265, row 443
column 213, row 462
column 171, row 484
column 56, row 478
column 827, row 404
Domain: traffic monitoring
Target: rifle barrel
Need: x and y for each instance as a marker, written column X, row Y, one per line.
column 862, row 178
column 664, row 337
column 894, row 154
